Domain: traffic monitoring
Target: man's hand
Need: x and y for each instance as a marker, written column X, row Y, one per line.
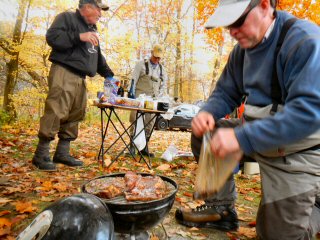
column 225, row 144
column 91, row 37
column 202, row 123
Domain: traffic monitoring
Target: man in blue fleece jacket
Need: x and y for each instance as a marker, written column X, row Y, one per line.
column 282, row 134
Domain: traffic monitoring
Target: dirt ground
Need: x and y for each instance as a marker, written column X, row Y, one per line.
column 26, row 191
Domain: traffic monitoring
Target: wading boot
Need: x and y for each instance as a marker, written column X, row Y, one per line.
column 63, row 156
column 222, row 217
column 41, row 158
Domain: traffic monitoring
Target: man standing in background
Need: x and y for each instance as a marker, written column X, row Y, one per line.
column 149, row 77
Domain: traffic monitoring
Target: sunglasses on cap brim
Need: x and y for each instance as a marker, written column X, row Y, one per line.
column 243, row 17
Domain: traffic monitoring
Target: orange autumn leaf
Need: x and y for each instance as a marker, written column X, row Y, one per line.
column 164, row 167
column 188, row 194
column 154, row 238
column 5, row 222
column 250, row 199
column 90, row 154
column 60, row 187
column 25, row 207
column 47, row 186
column 247, row 232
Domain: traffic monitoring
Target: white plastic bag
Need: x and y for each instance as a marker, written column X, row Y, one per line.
column 170, row 153
column 140, row 137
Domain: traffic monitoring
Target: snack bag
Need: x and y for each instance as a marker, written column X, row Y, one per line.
column 110, row 89
column 212, row 172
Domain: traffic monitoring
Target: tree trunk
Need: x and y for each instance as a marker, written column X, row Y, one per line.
column 177, row 76
column 12, row 65
column 190, row 74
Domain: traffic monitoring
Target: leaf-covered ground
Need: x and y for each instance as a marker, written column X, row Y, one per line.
column 26, row 191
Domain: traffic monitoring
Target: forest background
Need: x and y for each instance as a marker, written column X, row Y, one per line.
column 194, row 57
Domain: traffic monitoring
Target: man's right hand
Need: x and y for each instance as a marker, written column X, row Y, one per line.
column 91, row 37
column 202, row 123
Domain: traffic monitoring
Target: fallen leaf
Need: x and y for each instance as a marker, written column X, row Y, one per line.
column 46, row 186
column 252, row 224
column 90, row 154
column 154, row 238
column 183, row 233
column 25, row 207
column 18, row 218
column 242, row 191
column 250, row 199
column 4, row 213
column 248, row 232
column 4, row 231
column 188, row 194
column 164, row 167
column 193, row 229
column 60, row 187
column 5, row 222
column 4, row 201
column 181, row 200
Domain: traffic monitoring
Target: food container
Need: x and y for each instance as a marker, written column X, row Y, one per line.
column 128, row 102
column 149, row 104
column 162, row 106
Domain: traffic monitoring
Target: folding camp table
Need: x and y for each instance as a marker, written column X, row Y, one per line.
column 107, row 111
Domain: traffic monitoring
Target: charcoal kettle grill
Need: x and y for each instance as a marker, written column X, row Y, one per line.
column 132, row 220
column 82, row 217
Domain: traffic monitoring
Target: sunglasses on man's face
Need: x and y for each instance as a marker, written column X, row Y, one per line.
column 243, row 17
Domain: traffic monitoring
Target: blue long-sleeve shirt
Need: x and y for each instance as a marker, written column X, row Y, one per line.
column 298, row 71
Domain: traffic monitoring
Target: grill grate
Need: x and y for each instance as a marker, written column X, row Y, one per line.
column 122, row 200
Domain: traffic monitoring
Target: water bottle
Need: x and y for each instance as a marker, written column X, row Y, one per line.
column 107, row 90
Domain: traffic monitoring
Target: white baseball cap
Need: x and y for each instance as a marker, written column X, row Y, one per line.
column 228, row 12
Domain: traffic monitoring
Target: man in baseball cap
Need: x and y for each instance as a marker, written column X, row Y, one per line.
column 75, row 54
column 98, row 3
column 275, row 66
column 157, row 51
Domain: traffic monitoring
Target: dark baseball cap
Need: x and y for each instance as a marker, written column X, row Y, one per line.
column 98, row 3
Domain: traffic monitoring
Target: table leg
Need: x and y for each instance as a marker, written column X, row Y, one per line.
column 102, row 139
column 103, row 134
column 132, row 138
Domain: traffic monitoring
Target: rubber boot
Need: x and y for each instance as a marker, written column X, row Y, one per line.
column 63, row 156
column 41, row 158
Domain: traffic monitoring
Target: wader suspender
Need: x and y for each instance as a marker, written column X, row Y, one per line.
column 275, row 85
column 147, row 69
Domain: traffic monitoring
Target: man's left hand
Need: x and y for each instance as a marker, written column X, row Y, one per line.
column 225, row 144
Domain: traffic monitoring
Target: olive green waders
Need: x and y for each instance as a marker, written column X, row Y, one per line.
column 65, row 105
column 64, row 109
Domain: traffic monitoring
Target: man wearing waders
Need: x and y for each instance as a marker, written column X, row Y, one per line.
column 75, row 54
column 149, row 77
column 276, row 66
